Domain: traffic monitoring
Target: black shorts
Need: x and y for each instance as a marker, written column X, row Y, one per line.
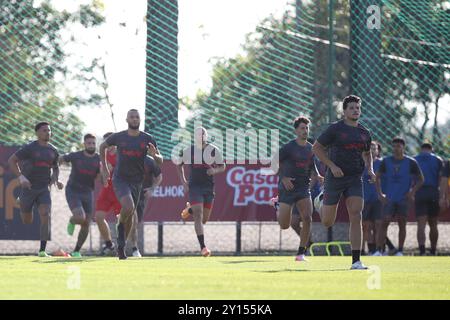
column 427, row 202
column 396, row 208
column 123, row 188
column 30, row 197
column 293, row 196
column 334, row 188
column 80, row 199
column 372, row 210
column 201, row 195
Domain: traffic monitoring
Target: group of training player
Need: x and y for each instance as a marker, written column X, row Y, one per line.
column 376, row 190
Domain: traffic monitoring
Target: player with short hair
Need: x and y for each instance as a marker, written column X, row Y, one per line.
column 296, row 166
column 348, row 143
column 132, row 146
column 205, row 161
column 80, row 188
column 427, row 197
column 39, row 171
column 397, row 173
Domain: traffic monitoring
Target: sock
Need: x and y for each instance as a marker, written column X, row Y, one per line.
column 433, row 251
column 363, row 252
column 190, row 211
column 371, row 247
column 135, row 248
column 422, row 249
column 82, row 236
column 389, row 244
column 43, row 245
column 400, row 249
column 301, row 250
column 77, row 248
column 108, row 244
column 121, row 235
column 201, row 241
column 356, row 254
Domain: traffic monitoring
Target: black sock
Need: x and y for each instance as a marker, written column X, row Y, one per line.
column 400, row 249
column 201, row 241
column 43, row 245
column 135, row 248
column 121, row 235
column 190, row 211
column 301, row 250
column 371, row 247
column 77, row 248
column 422, row 249
column 356, row 255
column 108, row 244
column 433, row 251
column 389, row 244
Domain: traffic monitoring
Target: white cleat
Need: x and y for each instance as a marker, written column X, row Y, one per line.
column 377, row 254
column 300, row 258
column 399, row 254
column 137, row 254
column 358, row 266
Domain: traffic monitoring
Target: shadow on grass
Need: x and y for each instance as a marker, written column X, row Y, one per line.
column 244, row 261
column 66, row 260
column 300, row 270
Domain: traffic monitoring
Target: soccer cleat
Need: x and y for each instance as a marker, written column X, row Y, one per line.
column 185, row 213
column 137, row 254
column 121, row 253
column 76, row 254
column 107, row 251
column 399, row 254
column 70, row 228
column 377, row 254
column 206, row 252
column 301, row 257
column 43, row 254
column 358, row 266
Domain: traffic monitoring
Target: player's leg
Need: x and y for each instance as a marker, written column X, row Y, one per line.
column 86, row 201
column 26, row 201
column 421, row 217
column 304, row 206
column 208, row 203
column 366, row 225
column 137, row 222
column 402, row 210
column 105, row 232
column 106, row 202
column 197, row 212
column 296, row 220
column 44, row 208
column 284, row 215
column 327, row 206
column 355, row 205
column 434, row 232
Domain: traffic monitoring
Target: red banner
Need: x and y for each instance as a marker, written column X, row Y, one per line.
column 242, row 194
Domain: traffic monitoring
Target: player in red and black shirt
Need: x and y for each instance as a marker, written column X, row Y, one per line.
column 40, row 171
column 348, row 144
column 132, row 146
column 205, row 161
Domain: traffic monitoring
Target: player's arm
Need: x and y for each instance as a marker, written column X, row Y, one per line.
column 320, row 152
column 315, row 175
column 180, row 170
column 55, row 173
column 379, row 173
column 13, row 163
column 65, row 159
column 420, row 179
column 368, row 161
column 104, row 165
column 155, row 154
column 220, row 164
column 443, row 186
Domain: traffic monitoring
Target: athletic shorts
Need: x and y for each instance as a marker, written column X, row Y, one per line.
column 30, row 197
column 107, row 201
column 427, row 202
column 203, row 196
column 399, row 208
column 79, row 199
column 372, row 210
column 123, row 188
column 293, row 196
column 334, row 188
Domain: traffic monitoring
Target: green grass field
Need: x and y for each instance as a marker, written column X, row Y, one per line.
column 246, row 277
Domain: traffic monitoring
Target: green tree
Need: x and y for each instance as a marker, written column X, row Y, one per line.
column 31, row 58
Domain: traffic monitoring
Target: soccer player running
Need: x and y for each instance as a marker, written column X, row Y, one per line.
column 107, row 202
column 152, row 179
column 396, row 173
column 132, row 145
column 427, row 197
column 80, row 188
column 205, row 161
column 40, row 171
column 349, row 152
column 296, row 165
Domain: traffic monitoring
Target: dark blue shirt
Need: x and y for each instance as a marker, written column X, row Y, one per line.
column 431, row 166
column 37, row 161
column 346, row 145
column 370, row 190
column 131, row 152
column 398, row 176
column 84, row 170
column 297, row 162
column 446, row 169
